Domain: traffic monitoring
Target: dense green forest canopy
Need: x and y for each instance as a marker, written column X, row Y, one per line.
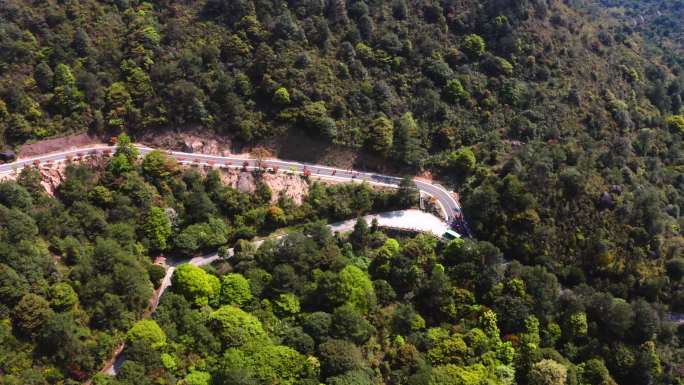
column 542, row 112
column 76, row 270
column 316, row 308
column 559, row 123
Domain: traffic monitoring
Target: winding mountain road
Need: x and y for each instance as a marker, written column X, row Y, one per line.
column 446, row 200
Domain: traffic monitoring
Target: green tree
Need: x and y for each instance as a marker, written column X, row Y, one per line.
column 275, row 217
column 157, row 228
column 408, row 145
column 360, row 236
column 349, row 324
column 594, row 372
column 338, row 357
column 18, row 128
column 132, row 372
column 139, row 85
column 235, row 289
column 15, row 225
column 548, row 372
column 149, row 331
column 236, row 327
column 12, row 286
column 281, row 97
column 119, row 164
column 287, row 305
column 317, row 324
column 381, row 134
column 572, row 182
column 473, row 45
column 158, row 166
column 63, row 340
column 357, row 288
column 313, row 117
column 62, row 296
column 577, row 325
column 648, row 367
column 406, row 320
column 439, row 71
column 66, row 96
column 125, row 147
column 463, row 161
column 462, row 375
column 354, row 377
column 196, row 377
column 408, row 194
column 195, row 284
column 296, row 338
column 675, row 123
column 455, row 92
column 268, row 364
column 44, row 76
column 13, row 195
column 200, row 236
column 101, row 196
column 31, row 313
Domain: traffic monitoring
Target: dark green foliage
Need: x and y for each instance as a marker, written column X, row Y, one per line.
column 13, row 195
column 441, row 321
column 338, row 357
column 296, row 338
column 62, row 339
column 559, row 122
column 12, row 286
column 77, row 267
column 360, row 236
column 348, row 323
column 31, row 313
column 356, row 377
column 318, row 325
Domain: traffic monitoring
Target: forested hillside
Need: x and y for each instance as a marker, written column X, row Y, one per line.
column 76, row 270
column 559, row 123
column 369, row 309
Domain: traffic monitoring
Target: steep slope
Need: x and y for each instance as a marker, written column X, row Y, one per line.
column 255, row 69
column 558, row 122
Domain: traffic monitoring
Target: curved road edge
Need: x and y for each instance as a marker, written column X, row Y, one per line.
column 445, row 199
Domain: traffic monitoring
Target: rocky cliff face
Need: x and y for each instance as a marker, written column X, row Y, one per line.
column 189, row 141
column 292, row 186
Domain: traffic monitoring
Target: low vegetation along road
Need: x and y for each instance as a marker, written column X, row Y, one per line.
column 444, row 198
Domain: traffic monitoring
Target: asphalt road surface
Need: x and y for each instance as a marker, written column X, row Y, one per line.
column 446, row 200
